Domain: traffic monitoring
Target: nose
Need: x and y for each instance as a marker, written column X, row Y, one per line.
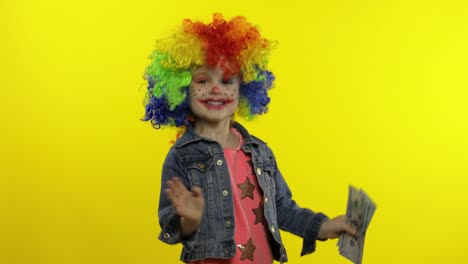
column 216, row 90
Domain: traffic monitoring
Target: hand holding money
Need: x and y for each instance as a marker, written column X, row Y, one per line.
column 333, row 228
column 359, row 214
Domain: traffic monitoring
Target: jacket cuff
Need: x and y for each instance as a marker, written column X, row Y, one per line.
column 170, row 232
column 311, row 232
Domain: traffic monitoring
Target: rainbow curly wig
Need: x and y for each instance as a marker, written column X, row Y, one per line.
column 235, row 45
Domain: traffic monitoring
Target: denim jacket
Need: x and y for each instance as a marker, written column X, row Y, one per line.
column 199, row 161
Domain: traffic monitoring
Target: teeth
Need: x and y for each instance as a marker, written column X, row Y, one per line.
column 214, row 103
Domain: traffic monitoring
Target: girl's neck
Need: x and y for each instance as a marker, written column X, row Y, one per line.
column 219, row 132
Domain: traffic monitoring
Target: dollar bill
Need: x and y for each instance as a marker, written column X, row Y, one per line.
column 360, row 210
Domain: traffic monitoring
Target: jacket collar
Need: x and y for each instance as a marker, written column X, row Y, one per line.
column 190, row 136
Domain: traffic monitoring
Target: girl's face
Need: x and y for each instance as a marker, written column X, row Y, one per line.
column 212, row 97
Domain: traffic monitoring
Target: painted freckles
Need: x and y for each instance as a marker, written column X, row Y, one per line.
column 212, row 97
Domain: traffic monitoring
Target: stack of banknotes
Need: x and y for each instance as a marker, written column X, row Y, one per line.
column 359, row 214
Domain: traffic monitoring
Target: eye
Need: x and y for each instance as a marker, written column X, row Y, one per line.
column 230, row 81
column 201, row 81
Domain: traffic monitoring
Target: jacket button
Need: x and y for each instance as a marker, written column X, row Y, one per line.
column 227, row 223
column 266, row 199
column 166, row 236
column 259, row 171
column 201, row 165
column 225, row 193
column 219, row 162
column 273, row 230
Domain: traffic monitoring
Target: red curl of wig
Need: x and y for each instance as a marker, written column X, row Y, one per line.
column 224, row 41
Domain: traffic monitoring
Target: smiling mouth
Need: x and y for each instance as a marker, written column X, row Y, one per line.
column 215, row 103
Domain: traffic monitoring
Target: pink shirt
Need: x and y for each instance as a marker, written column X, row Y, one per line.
column 250, row 233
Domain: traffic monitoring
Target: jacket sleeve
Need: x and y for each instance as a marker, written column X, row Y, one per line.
column 292, row 218
column 168, row 219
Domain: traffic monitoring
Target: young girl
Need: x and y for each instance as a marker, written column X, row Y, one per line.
column 222, row 194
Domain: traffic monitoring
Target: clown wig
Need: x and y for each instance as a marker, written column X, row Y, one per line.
column 235, row 45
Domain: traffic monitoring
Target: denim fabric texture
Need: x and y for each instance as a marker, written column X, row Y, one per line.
column 199, row 161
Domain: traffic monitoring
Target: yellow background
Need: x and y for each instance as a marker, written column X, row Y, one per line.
column 369, row 93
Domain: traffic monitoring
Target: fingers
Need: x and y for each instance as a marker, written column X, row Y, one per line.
column 176, row 187
column 335, row 227
column 188, row 204
column 197, row 191
column 349, row 229
column 341, row 218
column 345, row 226
column 175, row 190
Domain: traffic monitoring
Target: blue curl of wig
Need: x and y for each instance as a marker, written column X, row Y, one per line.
column 158, row 111
column 256, row 93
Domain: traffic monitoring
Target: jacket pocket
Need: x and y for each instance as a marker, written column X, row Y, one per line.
column 200, row 170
